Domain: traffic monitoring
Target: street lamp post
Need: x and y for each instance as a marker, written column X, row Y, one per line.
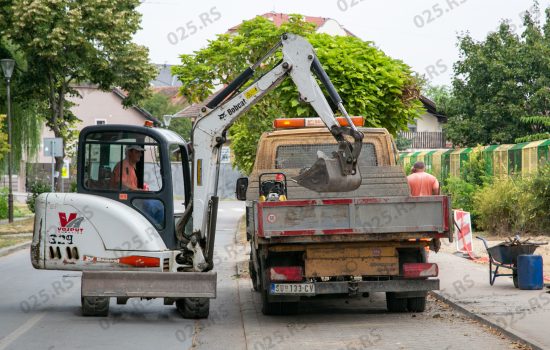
column 7, row 68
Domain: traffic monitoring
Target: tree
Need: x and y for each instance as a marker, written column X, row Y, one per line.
column 159, row 105
column 499, row 82
column 66, row 42
column 4, row 147
column 373, row 85
column 26, row 120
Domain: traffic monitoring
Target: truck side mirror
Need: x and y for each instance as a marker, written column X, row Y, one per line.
column 242, row 186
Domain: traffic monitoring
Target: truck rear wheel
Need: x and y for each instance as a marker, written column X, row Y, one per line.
column 395, row 304
column 95, row 306
column 416, row 304
column 193, row 307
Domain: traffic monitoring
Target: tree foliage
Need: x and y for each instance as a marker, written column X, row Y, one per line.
column 159, row 105
column 373, row 85
column 500, row 81
column 66, row 42
column 25, row 110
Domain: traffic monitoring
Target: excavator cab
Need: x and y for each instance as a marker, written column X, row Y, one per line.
column 144, row 168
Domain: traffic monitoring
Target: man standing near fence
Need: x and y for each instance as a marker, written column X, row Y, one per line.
column 422, row 183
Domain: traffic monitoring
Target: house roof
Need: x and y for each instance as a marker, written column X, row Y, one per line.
column 122, row 95
column 432, row 109
column 194, row 110
column 165, row 77
column 279, row 18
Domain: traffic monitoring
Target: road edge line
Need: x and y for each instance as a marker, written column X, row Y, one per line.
column 14, row 248
column 484, row 321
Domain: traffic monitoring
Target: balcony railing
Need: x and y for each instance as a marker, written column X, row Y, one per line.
column 425, row 139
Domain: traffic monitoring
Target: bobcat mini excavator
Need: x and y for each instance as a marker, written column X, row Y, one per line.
column 142, row 223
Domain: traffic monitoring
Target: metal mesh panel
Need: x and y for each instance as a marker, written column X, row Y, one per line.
column 300, row 156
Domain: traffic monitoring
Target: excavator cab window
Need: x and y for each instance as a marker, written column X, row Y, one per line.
column 116, row 161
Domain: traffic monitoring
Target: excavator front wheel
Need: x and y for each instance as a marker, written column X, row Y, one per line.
column 193, row 307
column 95, row 306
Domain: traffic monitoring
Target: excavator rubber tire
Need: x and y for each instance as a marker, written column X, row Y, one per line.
column 95, row 306
column 193, row 307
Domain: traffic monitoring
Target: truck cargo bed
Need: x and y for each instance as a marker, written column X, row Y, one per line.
column 401, row 217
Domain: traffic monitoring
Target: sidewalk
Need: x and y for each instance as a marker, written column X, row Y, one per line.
column 519, row 313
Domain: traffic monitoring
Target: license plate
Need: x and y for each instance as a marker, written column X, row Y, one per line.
column 292, row 288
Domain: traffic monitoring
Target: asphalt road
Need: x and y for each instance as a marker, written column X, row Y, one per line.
column 41, row 310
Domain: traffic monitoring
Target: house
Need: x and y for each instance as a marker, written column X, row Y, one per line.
column 96, row 107
column 427, row 131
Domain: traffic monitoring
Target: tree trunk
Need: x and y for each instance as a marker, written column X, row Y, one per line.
column 58, row 167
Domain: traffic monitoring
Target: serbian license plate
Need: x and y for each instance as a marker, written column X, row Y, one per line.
column 292, row 288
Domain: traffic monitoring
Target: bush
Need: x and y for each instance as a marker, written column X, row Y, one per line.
column 462, row 194
column 498, row 206
column 36, row 189
column 516, row 204
column 537, row 200
column 3, row 203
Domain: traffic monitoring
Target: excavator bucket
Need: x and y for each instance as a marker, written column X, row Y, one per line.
column 326, row 175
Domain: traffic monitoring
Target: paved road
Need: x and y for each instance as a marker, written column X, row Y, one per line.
column 41, row 310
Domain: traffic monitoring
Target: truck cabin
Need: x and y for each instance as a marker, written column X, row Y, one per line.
column 144, row 168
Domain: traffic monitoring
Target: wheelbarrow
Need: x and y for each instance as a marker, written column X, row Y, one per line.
column 505, row 255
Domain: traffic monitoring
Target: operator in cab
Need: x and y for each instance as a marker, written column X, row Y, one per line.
column 128, row 168
column 422, row 183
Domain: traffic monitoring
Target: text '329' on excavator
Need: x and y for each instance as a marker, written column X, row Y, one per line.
column 142, row 223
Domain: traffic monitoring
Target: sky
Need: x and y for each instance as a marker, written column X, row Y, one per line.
column 422, row 33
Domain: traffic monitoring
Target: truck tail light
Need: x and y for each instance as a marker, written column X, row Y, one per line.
column 420, row 270
column 286, row 273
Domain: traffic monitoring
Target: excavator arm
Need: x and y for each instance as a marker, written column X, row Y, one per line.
column 336, row 173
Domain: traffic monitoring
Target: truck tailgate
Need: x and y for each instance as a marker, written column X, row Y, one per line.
column 383, row 215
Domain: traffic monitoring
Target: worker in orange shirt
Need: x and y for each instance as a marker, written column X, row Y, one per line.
column 422, row 183
column 128, row 165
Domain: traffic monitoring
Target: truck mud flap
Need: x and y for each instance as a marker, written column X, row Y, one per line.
column 149, row 284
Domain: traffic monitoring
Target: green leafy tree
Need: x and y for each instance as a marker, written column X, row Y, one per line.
column 4, row 147
column 66, row 42
column 159, row 105
column 26, row 120
column 498, row 82
column 539, row 124
column 373, row 85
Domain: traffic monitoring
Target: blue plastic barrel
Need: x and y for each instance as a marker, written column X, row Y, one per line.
column 530, row 275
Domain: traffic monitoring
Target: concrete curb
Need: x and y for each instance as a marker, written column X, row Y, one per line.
column 14, row 248
column 485, row 321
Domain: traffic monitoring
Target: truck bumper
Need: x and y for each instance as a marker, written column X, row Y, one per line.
column 148, row 284
column 355, row 287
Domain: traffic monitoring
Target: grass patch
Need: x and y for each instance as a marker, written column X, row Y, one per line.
column 19, row 226
column 9, row 241
column 21, row 210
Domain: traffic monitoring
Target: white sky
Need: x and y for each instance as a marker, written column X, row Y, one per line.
column 398, row 27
